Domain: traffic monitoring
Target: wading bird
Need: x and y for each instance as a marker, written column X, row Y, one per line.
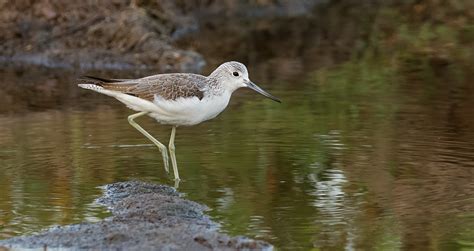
column 176, row 99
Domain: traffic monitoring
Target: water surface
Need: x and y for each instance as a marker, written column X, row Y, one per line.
column 354, row 158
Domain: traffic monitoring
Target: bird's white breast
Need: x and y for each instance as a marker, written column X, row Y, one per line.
column 189, row 111
column 182, row 111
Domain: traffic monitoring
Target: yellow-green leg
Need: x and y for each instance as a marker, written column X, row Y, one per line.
column 176, row 183
column 172, row 153
column 160, row 146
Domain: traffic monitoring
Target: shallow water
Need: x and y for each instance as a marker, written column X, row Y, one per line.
column 345, row 162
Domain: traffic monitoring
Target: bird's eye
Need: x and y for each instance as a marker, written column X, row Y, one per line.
column 235, row 73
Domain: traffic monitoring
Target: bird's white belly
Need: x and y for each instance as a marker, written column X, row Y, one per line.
column 189, row 111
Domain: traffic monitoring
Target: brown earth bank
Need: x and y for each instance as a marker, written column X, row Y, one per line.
column 119, row 34
column 89, row 34
column 144, row 217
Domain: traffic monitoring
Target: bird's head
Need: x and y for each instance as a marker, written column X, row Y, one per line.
column 234, row 75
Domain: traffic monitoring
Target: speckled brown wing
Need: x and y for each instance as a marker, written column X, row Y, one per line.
column 169, row 86
column 166, row 86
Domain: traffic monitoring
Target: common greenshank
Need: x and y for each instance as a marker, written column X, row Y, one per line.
column 176, row 99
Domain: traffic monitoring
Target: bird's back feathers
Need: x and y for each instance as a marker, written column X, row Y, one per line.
column 166, row 86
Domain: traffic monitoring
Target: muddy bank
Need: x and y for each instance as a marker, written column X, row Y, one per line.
column 118, row 34
column 91, row 35
column 145, row 217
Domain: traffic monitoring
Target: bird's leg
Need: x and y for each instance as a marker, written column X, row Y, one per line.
column 172, row 153
column 176, row 184
column 160, row 146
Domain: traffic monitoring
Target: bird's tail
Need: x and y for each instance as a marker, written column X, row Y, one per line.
column 98, row 84
column 93, row 87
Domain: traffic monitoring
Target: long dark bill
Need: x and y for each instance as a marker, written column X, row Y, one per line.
column 256, row 88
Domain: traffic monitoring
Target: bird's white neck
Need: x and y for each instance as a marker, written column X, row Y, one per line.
column 218, row 86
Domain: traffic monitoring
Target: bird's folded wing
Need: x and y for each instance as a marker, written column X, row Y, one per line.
column 165, row 86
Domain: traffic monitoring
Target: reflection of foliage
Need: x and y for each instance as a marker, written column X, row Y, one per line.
column 435, row 33
column 465, row 238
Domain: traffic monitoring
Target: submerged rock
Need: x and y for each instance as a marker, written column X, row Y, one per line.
column 145, row 217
